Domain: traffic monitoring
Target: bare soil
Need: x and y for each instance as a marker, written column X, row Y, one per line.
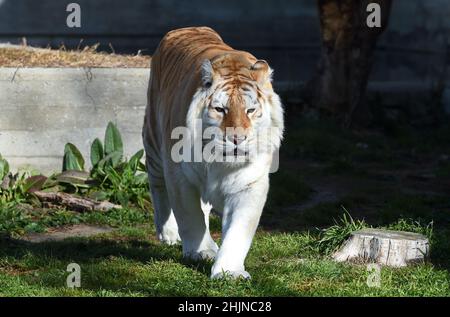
column 59, row 234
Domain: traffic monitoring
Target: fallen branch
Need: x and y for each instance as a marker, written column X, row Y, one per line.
column 57, row 199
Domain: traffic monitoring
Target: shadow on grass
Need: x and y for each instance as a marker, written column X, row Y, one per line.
column 74, row 249
column 126, row 267
column 92, row 255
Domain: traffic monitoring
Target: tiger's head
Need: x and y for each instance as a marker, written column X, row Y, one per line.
column 241, row 115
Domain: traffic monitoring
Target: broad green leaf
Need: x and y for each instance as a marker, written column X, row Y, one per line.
column 70, row 162
column 112, row 160
column 113, row 176
column 75, row 178
column 142, row 167
column 73, row 160
column 141, row 179
column 134, row 160
column 96, row 152
column 76, row 152
column 113, row 140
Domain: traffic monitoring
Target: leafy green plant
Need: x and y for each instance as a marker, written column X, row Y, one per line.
column 12, row 218
column 125, row 184
column 111, row 177
column 17, row 187
column 101, row 156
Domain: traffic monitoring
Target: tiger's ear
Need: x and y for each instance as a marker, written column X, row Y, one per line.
column 262, row 72
column 207, row 73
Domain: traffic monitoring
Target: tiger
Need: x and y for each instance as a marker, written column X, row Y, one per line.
column 196, row 77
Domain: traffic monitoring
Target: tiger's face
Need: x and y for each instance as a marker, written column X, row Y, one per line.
column 237, row 108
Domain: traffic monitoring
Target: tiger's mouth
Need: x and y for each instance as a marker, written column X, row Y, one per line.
column 236, row 152
column 228, row 152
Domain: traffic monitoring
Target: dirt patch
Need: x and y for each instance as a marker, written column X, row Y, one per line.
column 319, row 197
column 60, row 234
column 25, row 56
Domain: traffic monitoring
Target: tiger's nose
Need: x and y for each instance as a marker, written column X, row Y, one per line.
column 236, row 139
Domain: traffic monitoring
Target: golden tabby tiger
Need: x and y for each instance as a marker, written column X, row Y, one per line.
column 198, row 79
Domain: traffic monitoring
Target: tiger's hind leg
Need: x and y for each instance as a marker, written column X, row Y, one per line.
column 165, row 222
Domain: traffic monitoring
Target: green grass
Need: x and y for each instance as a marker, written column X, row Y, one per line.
column 128, row 263
column 290, row 255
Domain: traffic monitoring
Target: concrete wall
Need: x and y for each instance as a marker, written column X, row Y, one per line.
column 42, row 109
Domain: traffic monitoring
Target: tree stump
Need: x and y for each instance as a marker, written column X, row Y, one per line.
column 385, row 247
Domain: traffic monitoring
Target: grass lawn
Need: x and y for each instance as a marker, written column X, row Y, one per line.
column 129, row 262
column 323, row 169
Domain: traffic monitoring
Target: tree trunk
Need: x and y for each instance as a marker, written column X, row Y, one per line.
column 339, row 86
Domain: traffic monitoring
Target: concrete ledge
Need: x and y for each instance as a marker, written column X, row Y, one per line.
column 44, row 108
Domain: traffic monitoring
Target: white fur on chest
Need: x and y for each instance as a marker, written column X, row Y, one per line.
column 218, row 181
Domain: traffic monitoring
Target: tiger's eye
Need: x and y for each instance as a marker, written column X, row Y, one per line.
column 219, row 109
column 251, row 110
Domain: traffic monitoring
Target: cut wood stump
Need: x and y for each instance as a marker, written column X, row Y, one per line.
column 385, row 247
column 52, row 199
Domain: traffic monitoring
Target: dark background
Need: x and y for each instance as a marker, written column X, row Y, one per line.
column 286, row 32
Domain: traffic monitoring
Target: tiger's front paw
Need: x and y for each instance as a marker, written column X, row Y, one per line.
column 207, row 254
column 241, row 274
column 169, row 237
